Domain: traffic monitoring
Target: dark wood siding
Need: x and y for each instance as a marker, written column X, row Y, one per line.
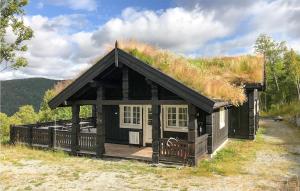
column 218, row 136
column 239, row 121
column 243, row 122
column 113, row 132
column 138, row 86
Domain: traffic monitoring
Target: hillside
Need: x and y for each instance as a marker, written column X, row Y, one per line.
column 15, row 93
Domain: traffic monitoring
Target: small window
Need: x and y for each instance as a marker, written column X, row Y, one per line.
column 130, row 116
column 222, row 118
column 176, row 118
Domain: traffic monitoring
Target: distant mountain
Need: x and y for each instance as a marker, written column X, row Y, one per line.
column 15, row 93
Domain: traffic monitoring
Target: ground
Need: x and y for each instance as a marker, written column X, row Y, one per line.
column 272, row 162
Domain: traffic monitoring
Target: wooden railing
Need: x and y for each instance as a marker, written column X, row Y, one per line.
column 87, row 141
column 20, row 134
column 40, row 136
column 53, row 135
column 173, row 150
column 62, row 139
column 201, row 145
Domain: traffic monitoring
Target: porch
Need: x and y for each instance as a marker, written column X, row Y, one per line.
column 58, row 136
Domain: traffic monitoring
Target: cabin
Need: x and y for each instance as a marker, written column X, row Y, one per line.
column 244, row 119
column 140, row 112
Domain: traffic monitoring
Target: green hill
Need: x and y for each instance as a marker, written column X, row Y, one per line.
column 15, row 93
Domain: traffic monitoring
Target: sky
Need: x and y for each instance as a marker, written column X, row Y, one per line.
column 69, row 35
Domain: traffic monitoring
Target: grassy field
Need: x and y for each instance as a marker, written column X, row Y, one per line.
column 38, row 169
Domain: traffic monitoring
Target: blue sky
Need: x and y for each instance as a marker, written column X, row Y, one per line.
column 74, row 33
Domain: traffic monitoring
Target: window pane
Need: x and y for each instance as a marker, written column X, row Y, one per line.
column 136, row 115
column 127, row 114
column 171, row 116
column 149, row 116
column 182, row 115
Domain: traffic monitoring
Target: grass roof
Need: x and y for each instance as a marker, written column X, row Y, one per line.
column 220, row 78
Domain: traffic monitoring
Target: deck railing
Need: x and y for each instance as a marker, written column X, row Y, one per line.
column 201, row 145
column 173, row 150
column 87, row 142
column 53, row 135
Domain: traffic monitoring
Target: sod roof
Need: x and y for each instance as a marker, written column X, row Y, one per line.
column 218, row 78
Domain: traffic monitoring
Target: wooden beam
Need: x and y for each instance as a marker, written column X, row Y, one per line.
column 125, row 83
column 192, row 134
column 75, row 128
column 133, row 102
column 100, row 131
column 155, row 123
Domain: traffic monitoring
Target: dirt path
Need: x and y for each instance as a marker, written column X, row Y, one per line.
column 275, row 166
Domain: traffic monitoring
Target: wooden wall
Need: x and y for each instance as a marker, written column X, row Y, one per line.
column 216, row 136
column 243, row 120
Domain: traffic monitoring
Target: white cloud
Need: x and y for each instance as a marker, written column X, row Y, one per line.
column 54, row 51
column 88, row 5
column 60, row 49
column 174, row 28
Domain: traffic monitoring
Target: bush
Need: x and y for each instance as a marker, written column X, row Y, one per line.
column 4, row 126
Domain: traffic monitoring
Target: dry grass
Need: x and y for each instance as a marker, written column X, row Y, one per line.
column 61, row 85
column 217, row 78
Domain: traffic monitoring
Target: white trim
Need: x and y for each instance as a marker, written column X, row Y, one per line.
column 130, row 125
column 222, row 117
column 219, row 148
column 176, row 128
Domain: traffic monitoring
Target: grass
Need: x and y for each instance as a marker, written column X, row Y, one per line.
column 229, row 161
column 218, row 78
column 233, row 160
column 287, row 109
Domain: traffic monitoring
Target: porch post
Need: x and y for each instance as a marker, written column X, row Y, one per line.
column 94, row 115
column 192, row 133
column 251, row 115
column 100, row 132
column 75, row 128
column 155, row 124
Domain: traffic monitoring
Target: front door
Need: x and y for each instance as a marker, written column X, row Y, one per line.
column 147, row 124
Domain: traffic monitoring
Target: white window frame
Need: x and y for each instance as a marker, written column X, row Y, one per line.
column 176, row 128
column 222, row 118
column 130, row 125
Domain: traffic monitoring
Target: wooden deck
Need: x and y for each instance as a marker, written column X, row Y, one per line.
column 128, row 152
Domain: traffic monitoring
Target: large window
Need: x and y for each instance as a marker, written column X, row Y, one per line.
column 130, row 116
column 176, row 117
column 222, row 118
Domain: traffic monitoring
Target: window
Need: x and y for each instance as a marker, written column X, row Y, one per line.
column 222, row 118
column 130, row 116
column 176, row 118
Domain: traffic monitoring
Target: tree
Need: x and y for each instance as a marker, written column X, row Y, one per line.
column 12, row 19
column 272, row 52
column 47, row 114
column 292, row 62
column 25, row 115
column 62, row 113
